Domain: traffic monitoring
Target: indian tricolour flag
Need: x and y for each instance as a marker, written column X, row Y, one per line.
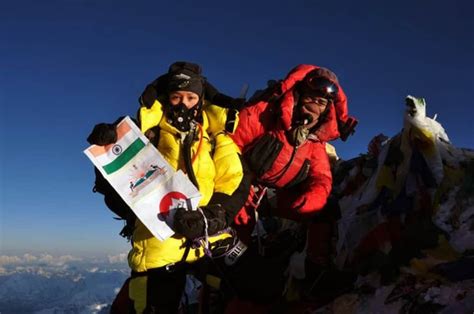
column 111, row 158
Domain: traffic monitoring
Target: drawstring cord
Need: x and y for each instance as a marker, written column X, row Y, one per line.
column 259, row 196
column 205, row 240
column 201, row 136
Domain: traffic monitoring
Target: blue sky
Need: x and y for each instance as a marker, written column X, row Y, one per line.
column 66, row 65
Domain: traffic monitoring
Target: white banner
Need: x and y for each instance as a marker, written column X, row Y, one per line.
column 144, row 179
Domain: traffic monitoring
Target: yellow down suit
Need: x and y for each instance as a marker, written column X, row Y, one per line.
column 217, row 168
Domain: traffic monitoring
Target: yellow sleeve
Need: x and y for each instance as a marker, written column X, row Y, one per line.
column 229, row 171
column 227, row 162
column 150, row 117
column 221, row 119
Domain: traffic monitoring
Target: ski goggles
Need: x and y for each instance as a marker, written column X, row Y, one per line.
column 320, row 86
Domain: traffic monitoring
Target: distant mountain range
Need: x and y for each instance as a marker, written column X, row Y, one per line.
column 47, row 284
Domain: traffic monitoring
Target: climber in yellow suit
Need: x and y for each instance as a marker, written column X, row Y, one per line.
column 192, row 135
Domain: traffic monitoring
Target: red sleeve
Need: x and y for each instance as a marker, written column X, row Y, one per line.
column 342, row 111
column 250, row 126
column 319, row 181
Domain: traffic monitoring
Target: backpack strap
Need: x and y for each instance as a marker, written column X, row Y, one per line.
column 115, row 203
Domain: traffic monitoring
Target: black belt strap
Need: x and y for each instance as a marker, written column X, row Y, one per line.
column 168, row 268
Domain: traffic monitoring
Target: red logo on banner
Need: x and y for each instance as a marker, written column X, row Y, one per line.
column 171, row 200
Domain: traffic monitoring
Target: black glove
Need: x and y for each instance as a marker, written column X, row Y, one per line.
column 215, row 216
column 190, row 223
column 348, row 128
column 148, row 96
column 103, row 134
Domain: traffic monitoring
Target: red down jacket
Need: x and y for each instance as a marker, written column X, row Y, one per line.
column 302, row 181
